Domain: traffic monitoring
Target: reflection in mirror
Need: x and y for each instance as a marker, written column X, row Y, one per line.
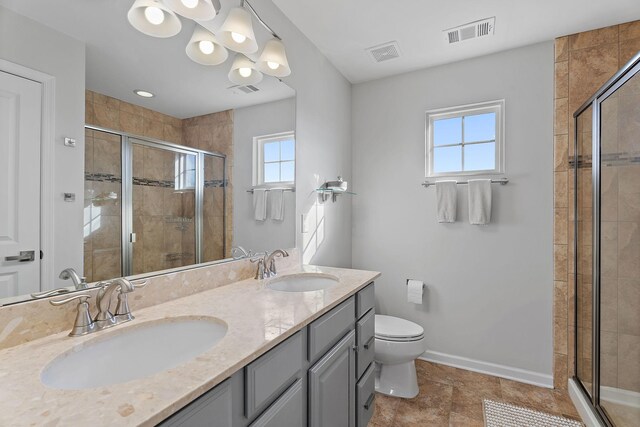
column 149, row 159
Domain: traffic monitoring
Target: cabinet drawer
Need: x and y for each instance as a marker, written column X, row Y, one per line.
column 365, row 396
column 325, row 332
column 288, row 410
column 267, row 377
column 213, row 409
column 365, row 334
column 365, row 300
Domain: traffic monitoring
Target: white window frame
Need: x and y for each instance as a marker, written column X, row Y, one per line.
column 496, row 107
column 258, row 160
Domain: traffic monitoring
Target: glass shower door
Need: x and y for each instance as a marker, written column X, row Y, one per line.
column 619, row 291
column 583, row 213
column 163, row 207
column 102, row 205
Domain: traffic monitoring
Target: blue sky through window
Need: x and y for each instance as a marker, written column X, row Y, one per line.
column 279, row 160
column 477, row 157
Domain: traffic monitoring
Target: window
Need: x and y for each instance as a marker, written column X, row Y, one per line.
column 185, row 172
column 274, row 159
column 466, row 140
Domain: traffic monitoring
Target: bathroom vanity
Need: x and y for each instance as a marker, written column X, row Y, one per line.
column 287, row 358
column 324, row 373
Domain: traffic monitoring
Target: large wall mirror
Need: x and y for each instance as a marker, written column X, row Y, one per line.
column 121, row 156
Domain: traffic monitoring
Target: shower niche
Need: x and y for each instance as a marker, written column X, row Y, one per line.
column 150, row 205
column 606, row 242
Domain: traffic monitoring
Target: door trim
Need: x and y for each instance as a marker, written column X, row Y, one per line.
column 47, row 147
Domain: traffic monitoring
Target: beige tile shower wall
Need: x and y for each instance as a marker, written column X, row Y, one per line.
column 214, row 132
column 111, row 113
column 583, row 62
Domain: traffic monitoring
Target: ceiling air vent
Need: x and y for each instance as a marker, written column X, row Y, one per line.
column 243, row 88
column 472, row 30
column 385, row 51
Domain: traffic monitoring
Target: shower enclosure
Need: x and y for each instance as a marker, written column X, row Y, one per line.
column 606, row 243
column 150, row 205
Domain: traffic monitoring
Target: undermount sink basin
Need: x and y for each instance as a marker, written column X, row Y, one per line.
column 136, row 352
column 302, row 282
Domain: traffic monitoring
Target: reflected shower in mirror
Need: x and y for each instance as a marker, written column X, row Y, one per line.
column 149, row 159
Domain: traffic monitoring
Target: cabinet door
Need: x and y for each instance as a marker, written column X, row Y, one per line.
column 213, row 409
column 332, row 386
column 287, row 411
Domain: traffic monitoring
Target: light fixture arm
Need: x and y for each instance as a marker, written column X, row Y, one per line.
column 264, row 24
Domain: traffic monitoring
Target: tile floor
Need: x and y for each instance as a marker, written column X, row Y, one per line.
column 453, row 397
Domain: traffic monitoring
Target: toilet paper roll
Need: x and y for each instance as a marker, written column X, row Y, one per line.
column 415, row 289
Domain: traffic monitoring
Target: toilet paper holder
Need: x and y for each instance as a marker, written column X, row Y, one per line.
column 423, row 284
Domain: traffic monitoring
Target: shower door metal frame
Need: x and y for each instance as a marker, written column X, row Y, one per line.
column 126, row 145
column 611, row 86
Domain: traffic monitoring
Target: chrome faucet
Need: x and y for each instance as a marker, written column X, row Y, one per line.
column 78, row 282
column 105, row 318
column 267, row 264
column 84, row 324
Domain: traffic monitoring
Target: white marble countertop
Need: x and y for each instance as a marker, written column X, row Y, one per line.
column 258, row 319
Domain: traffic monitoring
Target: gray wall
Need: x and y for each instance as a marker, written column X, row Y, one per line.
column 249, row 122
column 33, row 45
column 323, row 132
column 489, row 288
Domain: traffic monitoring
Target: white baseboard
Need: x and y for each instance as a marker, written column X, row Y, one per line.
column 502, row 371
column 620, row 396
column 589, row 417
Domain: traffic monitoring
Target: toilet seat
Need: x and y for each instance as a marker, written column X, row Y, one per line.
column 390, row 328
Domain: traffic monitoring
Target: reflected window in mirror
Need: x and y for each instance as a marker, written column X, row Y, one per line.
column 274, row 159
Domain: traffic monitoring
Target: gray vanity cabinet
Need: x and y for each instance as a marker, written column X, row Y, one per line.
column 331, row 386
column 213, row 409
column 321, row 376
column 288, row 410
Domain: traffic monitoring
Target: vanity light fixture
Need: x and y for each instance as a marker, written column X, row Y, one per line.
column 204, row 48
column 153, row 18
column 244, row 72
column 273, row 60
column 143, row 93
column 158, row 18
column 237, row 33
column 202, row 10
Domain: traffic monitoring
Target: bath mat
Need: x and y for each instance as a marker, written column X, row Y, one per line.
column 498, row 414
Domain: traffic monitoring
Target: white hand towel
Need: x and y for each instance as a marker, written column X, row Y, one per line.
column 479, row 201
column 259, row 204
column 277, row 204
column 446, row 200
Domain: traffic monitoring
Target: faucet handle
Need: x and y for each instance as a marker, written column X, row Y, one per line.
column 82, row 297
column 140, row 284
column 83, row 324
column 45, row 294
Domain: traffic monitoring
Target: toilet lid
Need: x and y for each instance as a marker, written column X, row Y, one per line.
column 395, row 327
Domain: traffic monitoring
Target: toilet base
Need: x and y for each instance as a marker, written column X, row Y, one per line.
column 399, row 380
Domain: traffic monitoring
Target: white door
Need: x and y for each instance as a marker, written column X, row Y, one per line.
column 20, row 120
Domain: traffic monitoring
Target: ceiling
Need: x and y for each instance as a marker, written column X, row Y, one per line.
column 121, row 59
column 342, row 30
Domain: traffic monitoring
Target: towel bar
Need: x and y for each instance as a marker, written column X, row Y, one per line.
column 269, row 189
column 501, row 181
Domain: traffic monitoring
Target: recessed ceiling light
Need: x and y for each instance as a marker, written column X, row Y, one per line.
column 143, row 93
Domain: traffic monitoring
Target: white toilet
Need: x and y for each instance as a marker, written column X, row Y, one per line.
column 398, row 343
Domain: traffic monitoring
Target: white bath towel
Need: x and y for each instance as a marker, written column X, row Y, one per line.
column 277, row 204
column 446, row 200
column 479, row 201
column 259, row 204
